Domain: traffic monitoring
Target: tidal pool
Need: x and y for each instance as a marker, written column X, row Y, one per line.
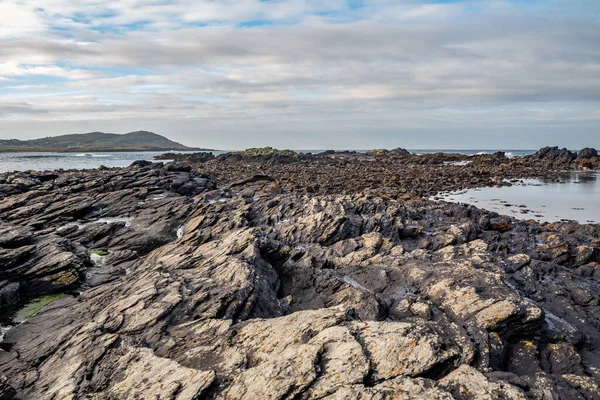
column 576, row 197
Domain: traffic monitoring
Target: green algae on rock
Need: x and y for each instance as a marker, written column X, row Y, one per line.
column 35, row 305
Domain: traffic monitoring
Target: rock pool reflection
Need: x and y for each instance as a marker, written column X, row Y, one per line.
column 575, row 197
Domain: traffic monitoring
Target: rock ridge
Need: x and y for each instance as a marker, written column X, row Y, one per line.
column 189, row 285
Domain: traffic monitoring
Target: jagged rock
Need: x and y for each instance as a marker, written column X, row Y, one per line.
column 588, row 152
column 14, row 236
column 141, row 163
column 6, row 391
column 553, row 157
column 54, row 222
column 177, row 166
column 200, row 157
column 253, row 290
column 399, row 152
column 468, row 383
column 138, row 373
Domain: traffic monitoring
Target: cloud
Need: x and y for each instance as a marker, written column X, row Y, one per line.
column 371, row 72
column 19, row 19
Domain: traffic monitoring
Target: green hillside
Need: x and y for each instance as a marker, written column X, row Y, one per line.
column 96, row 141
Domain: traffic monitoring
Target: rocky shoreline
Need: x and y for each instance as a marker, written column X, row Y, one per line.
column 274, row 274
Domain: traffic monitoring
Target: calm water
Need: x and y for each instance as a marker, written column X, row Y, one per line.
column 52, row 161
column 577, row 198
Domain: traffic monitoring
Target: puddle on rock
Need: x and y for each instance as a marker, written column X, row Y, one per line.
column 26, row 310
column 576, row 197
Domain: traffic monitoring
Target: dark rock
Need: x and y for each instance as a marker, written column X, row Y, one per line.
column 141, row 163
column 588, row 152
column 6, row 391
column 553, row 157
column 14, row 236
column 177, row 166
column 9, row 293
column 201, row 157
column 561, row 358
column 400, row 152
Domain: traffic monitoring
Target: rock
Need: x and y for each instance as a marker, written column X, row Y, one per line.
column 6, row 391
column 141, row 163
column 297, row 276
column 560, row 359
column 553, row 157
column 468, row 383
column 400, row 152
column 523, row 358
column 137, row 372
column 13, row 236
column 200, row 157
column 177, row 166
column 9, row 293
column 588, row 152
column 376, row 152
column 400, row 310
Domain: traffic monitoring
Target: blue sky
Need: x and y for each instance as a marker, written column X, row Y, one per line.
column 305, row 73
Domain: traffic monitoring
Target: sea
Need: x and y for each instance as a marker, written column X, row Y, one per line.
column 10, row 162
column 576, row 197
column 52, row 161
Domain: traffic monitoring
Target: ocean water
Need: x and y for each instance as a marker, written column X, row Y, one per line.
column 576, row 197
column 51, row 161
column 509, row 153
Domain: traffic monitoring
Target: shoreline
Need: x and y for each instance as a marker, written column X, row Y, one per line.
column 96, row 150
column 259, row 260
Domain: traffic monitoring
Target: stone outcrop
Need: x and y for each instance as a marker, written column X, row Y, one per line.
column 588, row 152
column 200, row 157
column 552, row 157
column 245, row 289
column 52, row 222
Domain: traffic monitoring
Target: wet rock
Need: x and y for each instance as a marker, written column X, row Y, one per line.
column 6, row 391
column 9, row 293
column 200, row 157
column 261, row 288
column 177, row 166
column 141, row 163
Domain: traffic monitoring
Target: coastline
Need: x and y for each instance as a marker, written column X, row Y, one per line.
column 95, row 149
column 263, row 259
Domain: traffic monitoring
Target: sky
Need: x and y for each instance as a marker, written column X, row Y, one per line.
column 305, row 74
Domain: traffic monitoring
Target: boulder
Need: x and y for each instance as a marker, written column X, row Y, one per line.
column 553, row 157
column 588, row 152
column 177, row 166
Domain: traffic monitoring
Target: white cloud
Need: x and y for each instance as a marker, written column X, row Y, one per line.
column 386, row 67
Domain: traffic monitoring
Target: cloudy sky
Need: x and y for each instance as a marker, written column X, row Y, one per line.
column 305, row 74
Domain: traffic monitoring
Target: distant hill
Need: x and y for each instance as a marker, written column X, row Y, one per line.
column 96, row 141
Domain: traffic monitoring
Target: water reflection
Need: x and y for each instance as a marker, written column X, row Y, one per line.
column 575, row 197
